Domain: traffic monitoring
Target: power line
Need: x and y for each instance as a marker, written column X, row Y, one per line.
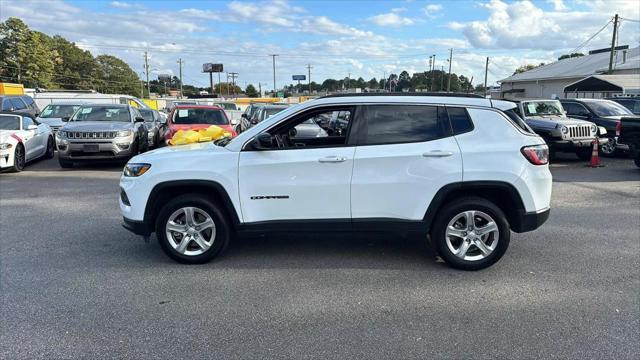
column 591, row 38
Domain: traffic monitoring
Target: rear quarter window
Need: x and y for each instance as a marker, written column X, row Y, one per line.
column 517, row 120
column 460, row 120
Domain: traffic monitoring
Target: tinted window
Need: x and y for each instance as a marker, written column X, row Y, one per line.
column 387, row 124
column 608, row 108
column 575, row 109
column 8, row 122
column 460, row 121
column 517, row 120
column 147, row 115
column 58, row 111
column 29, row 101
column 17, row 104
column 6, row 105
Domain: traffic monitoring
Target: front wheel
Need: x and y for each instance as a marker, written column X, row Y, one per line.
column 50, row 149
column 192, row 230
column 19, row 159
column 471, row 233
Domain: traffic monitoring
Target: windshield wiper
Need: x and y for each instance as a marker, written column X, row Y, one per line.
column 222, row 142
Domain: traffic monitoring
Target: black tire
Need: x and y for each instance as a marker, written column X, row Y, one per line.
column 144, row 147
column 637, row 161
column 222, row 227
column 50, row 149
column 449, row 212
column 18, row 159
column 552, row 154
column 134, row 149
column 65, row 164
column 584, row 153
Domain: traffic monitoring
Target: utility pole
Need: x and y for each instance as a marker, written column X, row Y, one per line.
column 180, row 62
column 146, row 71
column 260, row 89
column 274, row 73
column 613, row 42
column 449, row 78
column 441, row 78
column 348, row 81
column 430, row 74
column 432, row 68
column 486, row 69
column 211, row 83
column 309, row 78
column 233, row 76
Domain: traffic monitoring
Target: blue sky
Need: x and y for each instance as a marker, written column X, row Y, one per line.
column 364, row 38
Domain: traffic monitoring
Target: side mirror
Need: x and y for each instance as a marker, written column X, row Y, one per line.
column 263, row 141
column 66, row 119
column 139, row 119
column 32, row 127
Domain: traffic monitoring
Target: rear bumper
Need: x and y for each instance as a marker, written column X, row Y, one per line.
column 575, row 144
column 136, row 227
column 529, row 221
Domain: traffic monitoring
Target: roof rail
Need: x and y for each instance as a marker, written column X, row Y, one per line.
column 441, row 94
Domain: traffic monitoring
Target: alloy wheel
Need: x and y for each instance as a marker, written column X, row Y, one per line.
column 472, row 235
column 190, row 231
column 609, row 148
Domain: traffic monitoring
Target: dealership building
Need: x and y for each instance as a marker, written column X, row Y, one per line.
column 578, row 77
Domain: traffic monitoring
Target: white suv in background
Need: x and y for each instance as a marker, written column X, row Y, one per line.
column 464, row 170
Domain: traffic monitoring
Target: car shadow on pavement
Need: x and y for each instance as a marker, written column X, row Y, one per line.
column 616, row 169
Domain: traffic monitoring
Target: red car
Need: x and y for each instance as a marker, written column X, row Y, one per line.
column 196, row 117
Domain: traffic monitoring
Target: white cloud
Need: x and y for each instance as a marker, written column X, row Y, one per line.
column 558, row 5
column 357, row 64
column 391, row 19
column 431, row 9
column 119, row 4
column 523, row 25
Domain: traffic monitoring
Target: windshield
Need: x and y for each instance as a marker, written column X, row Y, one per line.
column 8, row 122
column 537, row 108
column 147, row 115
column 608, row 108
column 227, row 106
column 58, row 111
column 200, row 116
column 102, row 113
column 272, row 111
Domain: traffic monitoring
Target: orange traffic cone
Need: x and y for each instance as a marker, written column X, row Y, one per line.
column 595, row 158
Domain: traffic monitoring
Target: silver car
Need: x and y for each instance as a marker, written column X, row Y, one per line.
column 155, row 126
column 102, row 132
column 57, row 114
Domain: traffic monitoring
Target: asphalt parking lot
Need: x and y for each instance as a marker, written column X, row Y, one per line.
column 75, row 284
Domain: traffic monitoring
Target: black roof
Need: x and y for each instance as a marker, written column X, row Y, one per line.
column 440, row 94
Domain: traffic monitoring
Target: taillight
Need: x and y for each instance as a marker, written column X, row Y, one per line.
column 536, row 154
column 618, row 128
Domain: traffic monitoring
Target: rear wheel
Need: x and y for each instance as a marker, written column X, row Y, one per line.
column 608, row 149
column 18, row 159
column 471, row 233
column 192, row 230
column 50, row 149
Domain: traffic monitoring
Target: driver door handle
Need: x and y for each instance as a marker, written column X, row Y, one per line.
column 437, row 153
column 332, row 159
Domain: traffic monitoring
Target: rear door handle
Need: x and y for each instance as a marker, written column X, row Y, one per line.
column 332, row 159
column 437, row 153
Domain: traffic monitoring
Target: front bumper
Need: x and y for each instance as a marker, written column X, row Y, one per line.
column 575, row 144
column 117, row 148
column 6, row 158
column 529, row 221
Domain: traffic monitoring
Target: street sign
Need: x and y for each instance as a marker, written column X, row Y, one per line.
column 299, row 77
column 164, row 77
column 212, row 68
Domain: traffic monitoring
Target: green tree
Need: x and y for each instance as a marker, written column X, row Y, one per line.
column 115, row 76
column 572, row 55
column 25, row 56
column 251, row 91
column 74, row 68
column 373, row 84
column 526, row 67
column 404, row 81
column 227, row 88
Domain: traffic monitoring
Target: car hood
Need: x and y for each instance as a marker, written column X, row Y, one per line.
column 176, row 127
column 97, row 126
column 179, row 151
column 5, row 135
column 551, row 122
column 57, row 122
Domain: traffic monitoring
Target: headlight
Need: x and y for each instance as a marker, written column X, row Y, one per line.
column 124, row 133
column 594, row 128
column 62, row 133
column 135, row 170
column 564, row 129
column 5, row 146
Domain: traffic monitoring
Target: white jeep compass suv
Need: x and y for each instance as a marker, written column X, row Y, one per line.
column 463, row 170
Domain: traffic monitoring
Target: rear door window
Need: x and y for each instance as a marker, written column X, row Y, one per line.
column 392, row 124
